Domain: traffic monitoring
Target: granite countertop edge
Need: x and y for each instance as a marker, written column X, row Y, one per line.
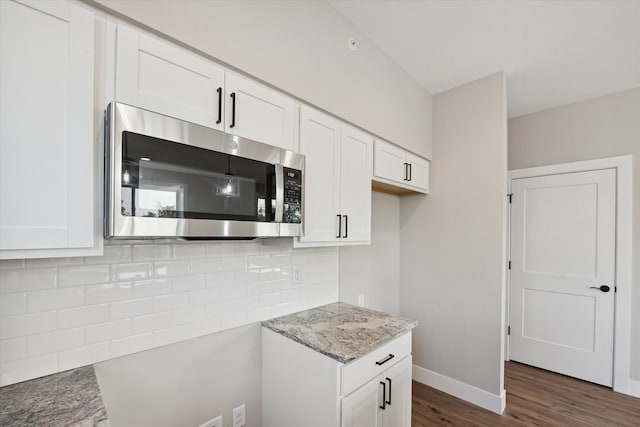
column 326, row 320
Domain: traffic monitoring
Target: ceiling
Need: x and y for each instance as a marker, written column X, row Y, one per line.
column 552, row 52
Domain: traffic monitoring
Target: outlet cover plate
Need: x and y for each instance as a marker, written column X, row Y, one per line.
column 239, row 416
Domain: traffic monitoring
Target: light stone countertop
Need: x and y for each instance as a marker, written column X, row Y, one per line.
column 341, row 331
column 66, row 399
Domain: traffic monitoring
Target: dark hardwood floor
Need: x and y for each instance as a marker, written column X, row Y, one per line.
column 535, row 397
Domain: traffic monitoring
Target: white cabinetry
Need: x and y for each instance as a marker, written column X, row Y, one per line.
column 338, row 168
column 47, row 133
column 157, row 75
column 398, row 168
column 303, row 387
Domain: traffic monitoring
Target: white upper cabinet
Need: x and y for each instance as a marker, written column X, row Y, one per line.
column 260, row 113
column 159, row 76
column 47, row 133
column 337, row 191
column 398, row 171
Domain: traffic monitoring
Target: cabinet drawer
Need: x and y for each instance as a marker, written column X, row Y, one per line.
column 361, row 370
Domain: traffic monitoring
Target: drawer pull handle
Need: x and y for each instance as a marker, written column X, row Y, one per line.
column 384, row 394
column 385, row 360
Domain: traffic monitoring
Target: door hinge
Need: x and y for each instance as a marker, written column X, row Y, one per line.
column 509, row 330
column 510, row 196
column 509, row 264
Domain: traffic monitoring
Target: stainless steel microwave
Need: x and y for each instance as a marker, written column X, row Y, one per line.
column 165, row 177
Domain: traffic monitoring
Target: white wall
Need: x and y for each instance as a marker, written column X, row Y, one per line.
column 61, row 313
column 452, row 244
column 374, row 270
column 601, row 127
column 299, row 47
column 187, row 383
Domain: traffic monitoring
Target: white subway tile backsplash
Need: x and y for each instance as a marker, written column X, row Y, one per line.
column 131, row 308
column 55, row 298
column 83, row 275
column 135, row 271
column 132, row 344
column 57, row 314
column 205, row 265
column 82, row 316
column 188, row 283
column 13, row 349
column 26, row 369
column 170, row 302
column 152, row 322
column 52, row 342
column 82, row 356
column 171, row 335
column 233, row 263
column 188, row 251
column 27, row 279
column 151, row 252
column 109, row 330
column 171, row 268
column 150, row 288
column 13, row 303
column 108, row 292
column 27, row 324
column 205, row 296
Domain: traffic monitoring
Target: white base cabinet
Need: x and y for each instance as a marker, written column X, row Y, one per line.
column 48, row 130
column 396, row 167
column 302, row 387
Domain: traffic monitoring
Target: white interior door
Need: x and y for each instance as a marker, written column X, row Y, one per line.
column 562, row 253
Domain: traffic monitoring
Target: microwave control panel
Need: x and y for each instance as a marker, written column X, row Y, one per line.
column 292, row 196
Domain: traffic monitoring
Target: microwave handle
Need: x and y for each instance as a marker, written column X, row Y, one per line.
column 279, row 193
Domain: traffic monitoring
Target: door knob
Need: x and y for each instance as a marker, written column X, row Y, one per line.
column 603, row 288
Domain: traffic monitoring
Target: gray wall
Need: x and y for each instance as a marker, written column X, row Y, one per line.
column 187, row 383
column 452, row 242
column 601, row 127
column 299, row 47
column 374, row 270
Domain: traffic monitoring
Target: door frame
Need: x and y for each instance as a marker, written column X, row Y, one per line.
column 623, row 266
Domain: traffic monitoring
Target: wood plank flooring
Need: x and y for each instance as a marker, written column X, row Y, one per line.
column 535, row 397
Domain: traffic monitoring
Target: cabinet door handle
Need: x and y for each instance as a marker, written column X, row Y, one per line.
column 219, row 106
column 385, row 360
column 389, row 401
column 410, row 171
column 233, row 110
column 406, row 172
column 339, row 226
column 346, row 226
column 384, row 393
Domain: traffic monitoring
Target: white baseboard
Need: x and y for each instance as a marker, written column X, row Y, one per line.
column 634, row 388
column 484, row 399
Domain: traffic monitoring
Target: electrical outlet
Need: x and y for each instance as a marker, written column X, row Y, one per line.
column 216, row 422
column 238, row 416
column 296, row 274
column 361, row 300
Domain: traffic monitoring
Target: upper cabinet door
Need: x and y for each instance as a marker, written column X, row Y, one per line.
column 257, row 112
column 159, row 76
column 418, row 172
column 389, row 161
column 320, row 143
column 46, row 126
column 355, row 177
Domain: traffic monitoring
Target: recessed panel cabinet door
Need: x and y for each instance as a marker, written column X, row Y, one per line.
column 390, row 162
column 355, row 177
column 159, row 76
column 361, row 408
column 397, row 411
column 320, row 143
column 418, row 172
column 260, row 113
column 46, row 125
